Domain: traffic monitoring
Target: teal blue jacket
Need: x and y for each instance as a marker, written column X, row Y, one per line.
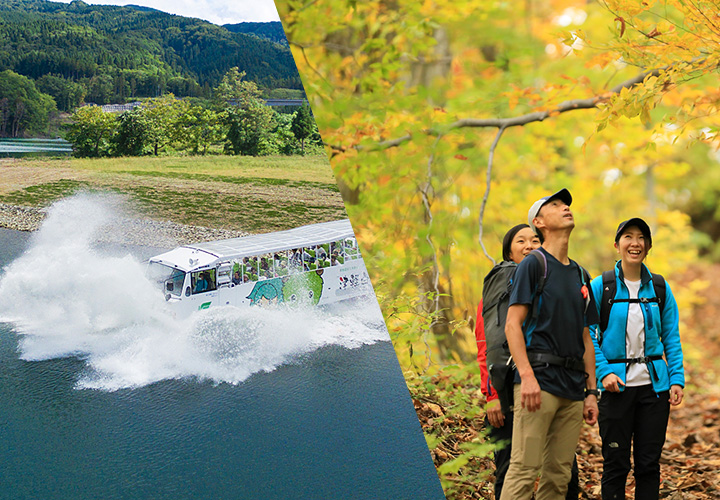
column 662, row 336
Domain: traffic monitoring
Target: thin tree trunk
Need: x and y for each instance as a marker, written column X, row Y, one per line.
column 442, row 328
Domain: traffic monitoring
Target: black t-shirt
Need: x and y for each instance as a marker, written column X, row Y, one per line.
column 562, row 316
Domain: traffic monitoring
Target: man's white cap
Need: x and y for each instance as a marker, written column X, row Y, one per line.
column 563, row 195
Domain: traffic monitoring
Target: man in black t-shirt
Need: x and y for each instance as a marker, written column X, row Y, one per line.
column 552, row 349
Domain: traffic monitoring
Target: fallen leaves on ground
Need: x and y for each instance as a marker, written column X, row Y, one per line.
column 690, row 463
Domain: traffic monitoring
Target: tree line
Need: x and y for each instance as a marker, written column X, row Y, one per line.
column 23, row 108
column 270, row 30
column 236, row 121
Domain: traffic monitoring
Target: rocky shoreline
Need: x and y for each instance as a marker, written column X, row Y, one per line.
column 141, row 232
column 20, row 218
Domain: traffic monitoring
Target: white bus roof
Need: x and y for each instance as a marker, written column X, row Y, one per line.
column 259, row 244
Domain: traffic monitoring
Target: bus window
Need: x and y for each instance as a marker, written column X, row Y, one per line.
column 295, row 261
column 337, row 255
column 266, row 266
column 203, row 281
column 309, row 259
column 351, row 249
column 237, row 273
column 168, row 279
column 251, row 268
column 281, row 263
column 322, row 252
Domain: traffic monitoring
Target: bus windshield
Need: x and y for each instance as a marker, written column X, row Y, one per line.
column 170, row 280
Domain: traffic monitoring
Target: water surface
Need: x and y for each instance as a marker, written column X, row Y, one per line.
column 330, row 418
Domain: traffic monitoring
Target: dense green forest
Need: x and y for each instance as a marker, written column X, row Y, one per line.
column 272, row 30
column 108, row 54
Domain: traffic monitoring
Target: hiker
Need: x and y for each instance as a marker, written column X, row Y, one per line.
column 555, row 384
column 517, row 243
column 638, row 325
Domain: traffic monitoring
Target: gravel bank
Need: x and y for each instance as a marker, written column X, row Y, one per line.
column 143, row 232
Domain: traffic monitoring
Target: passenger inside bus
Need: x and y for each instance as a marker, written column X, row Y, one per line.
column 204, row 281
column 201, row 284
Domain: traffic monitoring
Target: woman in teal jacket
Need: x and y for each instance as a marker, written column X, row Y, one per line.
column 639, row 364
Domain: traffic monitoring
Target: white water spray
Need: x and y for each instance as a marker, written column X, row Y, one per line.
column 67, row 298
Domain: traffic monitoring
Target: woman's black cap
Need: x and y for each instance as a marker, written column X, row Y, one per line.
column 640, row 224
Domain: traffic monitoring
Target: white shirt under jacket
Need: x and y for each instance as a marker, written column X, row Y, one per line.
column 637, row 373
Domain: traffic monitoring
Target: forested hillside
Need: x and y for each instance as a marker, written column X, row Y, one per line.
column 272, row 31
column 106, row 54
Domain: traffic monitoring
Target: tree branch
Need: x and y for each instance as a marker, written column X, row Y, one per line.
column 307, row 61
column 487, row 193
column 515, row 121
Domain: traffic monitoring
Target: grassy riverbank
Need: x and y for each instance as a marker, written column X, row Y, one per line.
column 229, row 192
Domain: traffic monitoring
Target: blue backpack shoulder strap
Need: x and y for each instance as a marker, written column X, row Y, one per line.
column 535, row 308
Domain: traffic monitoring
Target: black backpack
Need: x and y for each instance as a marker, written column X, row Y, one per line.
column 608, row 298
column 496, row 298
column 497, row 286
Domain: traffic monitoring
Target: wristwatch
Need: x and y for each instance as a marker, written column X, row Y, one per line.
column 594, row 392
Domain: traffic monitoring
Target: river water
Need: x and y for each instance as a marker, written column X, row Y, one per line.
column 104, row 397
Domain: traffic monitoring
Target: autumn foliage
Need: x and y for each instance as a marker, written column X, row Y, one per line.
column 445, row 120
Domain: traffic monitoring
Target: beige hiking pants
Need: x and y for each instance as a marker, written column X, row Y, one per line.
column 543, row 442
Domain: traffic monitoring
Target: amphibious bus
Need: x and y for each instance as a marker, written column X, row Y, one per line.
column 316, row 264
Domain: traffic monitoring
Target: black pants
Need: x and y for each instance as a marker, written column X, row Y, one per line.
column 502, row 458
column 639, row 416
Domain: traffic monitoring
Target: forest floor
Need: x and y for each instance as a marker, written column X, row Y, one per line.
column 690, row 464
column 225, row 192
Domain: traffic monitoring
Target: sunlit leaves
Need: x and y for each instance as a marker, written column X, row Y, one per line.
column 378, row 71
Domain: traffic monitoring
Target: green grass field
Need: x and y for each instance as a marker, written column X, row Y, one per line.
column 244, row 193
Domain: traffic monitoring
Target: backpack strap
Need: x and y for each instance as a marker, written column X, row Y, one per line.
column 647, row 360
column 660, row 291
column 584, row 280
column 610, row 288
column 608, row 295
column 487, row 306
column 535, row 307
